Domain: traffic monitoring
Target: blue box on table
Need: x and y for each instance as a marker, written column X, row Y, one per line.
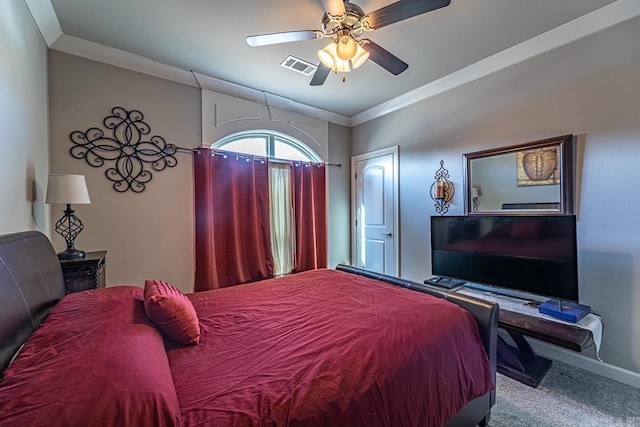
column 565, row 310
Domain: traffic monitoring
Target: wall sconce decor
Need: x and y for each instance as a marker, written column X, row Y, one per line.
column 126, row 148
column 475, row 193
column 442, row 190
column 68, row 189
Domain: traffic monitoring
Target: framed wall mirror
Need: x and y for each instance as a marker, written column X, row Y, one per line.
column 530, row 178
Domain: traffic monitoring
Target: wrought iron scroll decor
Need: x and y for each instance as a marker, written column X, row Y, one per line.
column 442, row 190
column 126, row 147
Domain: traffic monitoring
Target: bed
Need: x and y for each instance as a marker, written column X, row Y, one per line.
column 326, row 347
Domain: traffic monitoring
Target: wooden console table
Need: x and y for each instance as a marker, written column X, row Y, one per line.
column 520, row 361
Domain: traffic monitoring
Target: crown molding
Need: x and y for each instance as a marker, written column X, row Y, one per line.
column 49, row 26
column 269, row 99
column 46, row 19
column 120, row 58
column 591, row 23
column 127, row 60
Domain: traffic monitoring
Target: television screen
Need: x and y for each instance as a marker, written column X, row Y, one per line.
column 534, row 254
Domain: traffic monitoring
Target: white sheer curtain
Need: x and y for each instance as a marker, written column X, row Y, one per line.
column 281, row 217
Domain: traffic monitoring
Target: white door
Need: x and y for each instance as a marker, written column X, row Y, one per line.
column 375, row 211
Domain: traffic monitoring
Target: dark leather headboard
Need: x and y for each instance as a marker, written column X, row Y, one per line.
column 31, row 284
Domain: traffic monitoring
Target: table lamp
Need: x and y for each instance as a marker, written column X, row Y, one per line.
column 68, row 189
column 475, row 193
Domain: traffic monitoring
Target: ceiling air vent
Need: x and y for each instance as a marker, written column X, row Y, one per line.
column 298, row 65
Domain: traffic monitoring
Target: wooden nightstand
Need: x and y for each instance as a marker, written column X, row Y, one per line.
column 84, row 273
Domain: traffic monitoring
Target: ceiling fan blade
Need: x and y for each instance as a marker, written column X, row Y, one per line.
column 403, row 9
column 320, row 75
column 286, row 37
column 384, row 58
column 334, row 7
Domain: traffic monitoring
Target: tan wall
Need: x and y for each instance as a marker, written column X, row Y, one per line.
column 24, row 121
column 149, row 234
column 590, row 88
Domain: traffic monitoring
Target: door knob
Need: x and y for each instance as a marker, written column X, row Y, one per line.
column 389, row 234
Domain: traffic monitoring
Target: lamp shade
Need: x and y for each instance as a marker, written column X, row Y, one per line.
column 346, row 48
column 360, row 57
column 67, row 189
column 328, row 55
column 475, row 192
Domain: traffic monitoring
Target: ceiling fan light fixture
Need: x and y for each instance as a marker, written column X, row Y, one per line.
column 330, row 58
column 346, row 47
column 344, row 23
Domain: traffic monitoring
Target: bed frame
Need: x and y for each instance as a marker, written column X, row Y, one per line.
column 478, row 411
column 31, row 283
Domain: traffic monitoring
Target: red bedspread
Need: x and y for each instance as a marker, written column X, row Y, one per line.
column 96, row 361
column 328, row 348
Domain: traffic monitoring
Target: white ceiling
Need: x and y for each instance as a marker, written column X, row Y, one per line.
column 205, row 39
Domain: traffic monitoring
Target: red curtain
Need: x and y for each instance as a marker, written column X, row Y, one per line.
column 310, row 213
column 232, row 232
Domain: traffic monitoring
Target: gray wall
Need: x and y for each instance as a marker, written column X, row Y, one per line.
column 590, row 88
column 339, row 190
column 150, row 234
column 24, row 122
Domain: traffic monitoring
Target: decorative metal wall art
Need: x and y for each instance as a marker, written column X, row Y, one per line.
column 127, row 148
column 442, row 190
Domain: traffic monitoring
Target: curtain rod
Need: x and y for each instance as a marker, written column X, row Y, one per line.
column 193, row 150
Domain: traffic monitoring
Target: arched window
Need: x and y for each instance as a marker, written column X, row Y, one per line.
column 268, row 144
column 276, row 146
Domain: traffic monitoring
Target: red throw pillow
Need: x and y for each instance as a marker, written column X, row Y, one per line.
column 171, row 311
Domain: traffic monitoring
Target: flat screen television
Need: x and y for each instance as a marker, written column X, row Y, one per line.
column 533, row 254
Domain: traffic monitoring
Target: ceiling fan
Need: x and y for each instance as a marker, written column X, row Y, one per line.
column 344, row 23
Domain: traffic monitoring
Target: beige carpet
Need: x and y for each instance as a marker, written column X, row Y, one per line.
column 566, row 396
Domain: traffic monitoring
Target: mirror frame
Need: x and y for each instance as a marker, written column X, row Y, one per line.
column 565, row 146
